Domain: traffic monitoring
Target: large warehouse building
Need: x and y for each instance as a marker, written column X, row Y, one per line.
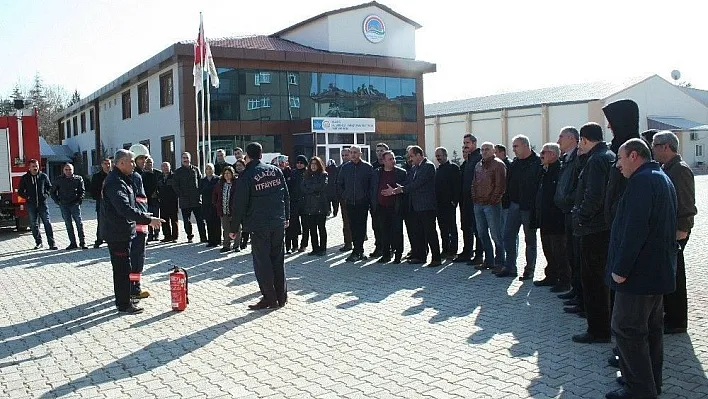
column 540, row 114
column 344, row 77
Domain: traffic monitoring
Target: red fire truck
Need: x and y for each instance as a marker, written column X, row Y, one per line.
column 19, row 142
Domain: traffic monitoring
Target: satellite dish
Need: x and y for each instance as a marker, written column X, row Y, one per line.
column 675, row 75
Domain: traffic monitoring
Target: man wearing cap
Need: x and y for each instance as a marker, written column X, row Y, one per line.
column 119, row 215
column 137, row 245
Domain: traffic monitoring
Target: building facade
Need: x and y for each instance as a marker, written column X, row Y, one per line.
column 356, row 62
column 541, row 113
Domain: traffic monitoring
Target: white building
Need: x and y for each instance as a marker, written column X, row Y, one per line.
column 541, row 113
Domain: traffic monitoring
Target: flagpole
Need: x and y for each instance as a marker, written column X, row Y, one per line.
column 202, row 57
column 208, row 109
column 196, row 121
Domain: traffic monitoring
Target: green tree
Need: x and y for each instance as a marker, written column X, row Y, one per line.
column 455, row 158
column 75, row 98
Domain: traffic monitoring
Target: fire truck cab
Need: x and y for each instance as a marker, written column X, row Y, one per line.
column 19, row 142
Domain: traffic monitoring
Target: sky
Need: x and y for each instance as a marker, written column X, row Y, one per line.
column 480, row 47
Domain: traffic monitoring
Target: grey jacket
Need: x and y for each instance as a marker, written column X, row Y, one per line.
column 421, row 187
column 186, row 185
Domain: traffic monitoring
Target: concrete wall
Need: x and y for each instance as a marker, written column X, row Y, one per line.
column 152, row 125
column 561, row 116
column 343, row 32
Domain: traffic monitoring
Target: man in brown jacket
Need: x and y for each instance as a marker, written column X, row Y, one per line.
column 487, row 190
column 665, row 146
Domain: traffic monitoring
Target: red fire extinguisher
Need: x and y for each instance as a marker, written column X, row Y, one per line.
column 178, row 288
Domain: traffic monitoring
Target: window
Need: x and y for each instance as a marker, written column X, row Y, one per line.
column 256, row 103
column 94, row 161
column 699, row 150
column 694, row 136
column 126, row 105
column 166, row 91
column 294, row 102
column 92, row 121
column 168, row 150
column 143, row 99
column 76, row 126
column 83, row 122
column 68, row 129
column 261, row 78
column 126, row 146
column 292, row 78
column 146, row 143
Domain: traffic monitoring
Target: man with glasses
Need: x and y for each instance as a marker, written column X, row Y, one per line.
column 665, row 147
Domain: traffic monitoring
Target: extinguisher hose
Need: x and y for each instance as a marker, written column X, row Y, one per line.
column 186, row 285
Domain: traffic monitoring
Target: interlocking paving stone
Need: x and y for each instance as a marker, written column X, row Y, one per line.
column 349, row 330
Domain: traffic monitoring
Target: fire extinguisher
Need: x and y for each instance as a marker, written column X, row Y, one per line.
column 178, row 288
column 134, row 279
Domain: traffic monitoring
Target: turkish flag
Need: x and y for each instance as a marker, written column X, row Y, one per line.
column 199, row 49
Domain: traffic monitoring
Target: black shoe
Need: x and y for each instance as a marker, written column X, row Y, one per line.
column 571, row 302
column 71, row 247
column 345, row 248
column 573, row 309
column 614, row 361
column 477, row 260
column 568, row 295
column 38, row 246
column 224, row 250
column 384, row 259
column 546, row 282
column 674, row 330
column 244, row 244
column 506, row 273
column 415, row 261
column 237, row 249
column 618, row 394
column 526, row 276
column 435, row 263
column 83, row 246
column 312, row 253
column 131, row 310
column 166, row 239
column 264, row 305
column 397, row 260
column 461, row 258
column 53, row 247
column 189, row 240
column 356, row 257
column 587, row 338
column 210, row 245
column 615, row 351
column 377, row 253
column 621, row 381
column 560, row 287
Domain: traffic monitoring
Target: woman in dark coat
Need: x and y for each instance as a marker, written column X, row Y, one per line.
column 206, row 187
column 239, row 167
column 222, row 198
column 332, row 172
column 316, row 206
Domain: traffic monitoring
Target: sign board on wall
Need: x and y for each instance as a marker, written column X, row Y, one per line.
column 374, row 29
column 343, row 125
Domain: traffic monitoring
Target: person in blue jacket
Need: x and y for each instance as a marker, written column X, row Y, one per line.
column 641, row 268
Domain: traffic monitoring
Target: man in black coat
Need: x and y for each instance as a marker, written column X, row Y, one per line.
column 521, row 189
column 354, row 182
column 447, row 188
column 168, row 200
column 590, row 225
column 551, row 221
column 564, row 199
column 119, row 214
column 421, row 189
column 472, row 242
column 186, row 185
column 381, row 148
column 150, row 177
column 35, row 188
column 623, row 120
column 387, row 211
column 68, row 192
column 641, row 269
column 95, row 189
column 262, row 206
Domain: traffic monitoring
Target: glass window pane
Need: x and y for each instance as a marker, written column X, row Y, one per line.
column 328, row 82
column 270, row 110
column 408, row 87
column 335, row 153
column 321, row 138
column 247, row 82
column 273, row 86
column 360, row 138
column 409, row 111
column 344, row 83
column 393, row 88
column 314, row 88
column 322, row 152
column 341, row 138
column 377, row 86
column 360, row 85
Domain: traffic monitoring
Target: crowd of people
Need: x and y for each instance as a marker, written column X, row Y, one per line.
column 614, row 219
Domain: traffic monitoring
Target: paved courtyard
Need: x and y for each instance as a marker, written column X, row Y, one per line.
column 349, row 330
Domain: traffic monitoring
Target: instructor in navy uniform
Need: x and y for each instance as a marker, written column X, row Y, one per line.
column 262, row 205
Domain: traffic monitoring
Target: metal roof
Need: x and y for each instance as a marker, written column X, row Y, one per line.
column 568, row 94
column 45, row 150
column 700, row 95
column 670, row 123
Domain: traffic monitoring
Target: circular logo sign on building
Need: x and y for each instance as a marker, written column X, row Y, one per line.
column 374, row 29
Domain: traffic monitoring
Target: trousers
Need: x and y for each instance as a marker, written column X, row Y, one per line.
column 120, row 261
column 269, row 264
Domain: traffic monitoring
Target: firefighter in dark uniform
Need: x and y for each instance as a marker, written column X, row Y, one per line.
column 262, row 204
column 119, row 215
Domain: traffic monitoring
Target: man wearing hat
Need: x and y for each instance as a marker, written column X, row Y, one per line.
column 137, row 245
